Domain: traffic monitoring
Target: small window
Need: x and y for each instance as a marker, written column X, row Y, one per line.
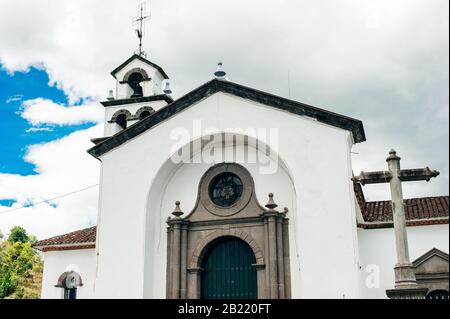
column 70, row 293
column 225, row 189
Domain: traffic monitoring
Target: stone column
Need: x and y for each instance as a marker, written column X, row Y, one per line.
column 266, row 257
column 261, row 279
column 406, row 286
column 286, row 256
column 404, row 270
column 273, row 257
column 280, row 258
column 183, row 264
column 194, row 285
column 175, row 225
column 176, row 258
column 271, row 215
column 169, row 263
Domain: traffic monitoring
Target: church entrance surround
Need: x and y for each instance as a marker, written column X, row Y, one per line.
column 229, row 246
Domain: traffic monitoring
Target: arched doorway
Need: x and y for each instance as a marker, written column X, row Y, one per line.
column 229, row 271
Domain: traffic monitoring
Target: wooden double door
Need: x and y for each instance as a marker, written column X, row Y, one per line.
column 229, row 271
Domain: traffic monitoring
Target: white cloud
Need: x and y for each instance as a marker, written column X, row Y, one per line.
column 14, row 98
column 38, row 129
column 42, row 111
column 63, row 166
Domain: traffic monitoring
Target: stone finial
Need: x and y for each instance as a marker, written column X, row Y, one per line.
column 220, row 73
column 110, row 96
column 271, row 204
column 177, row 212
column 392, row 155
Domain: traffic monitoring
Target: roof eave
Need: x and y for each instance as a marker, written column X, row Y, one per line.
column 152, row 98
column 68, row 246
column 135, row 56
column 353, row 125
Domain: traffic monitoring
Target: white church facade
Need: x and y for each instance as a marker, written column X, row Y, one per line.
column 231, row 192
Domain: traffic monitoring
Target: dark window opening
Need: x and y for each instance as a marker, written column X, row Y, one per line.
column 225, row 189
column 122, row 121
column 70, row 293
column 134, row 81
column 143, row 115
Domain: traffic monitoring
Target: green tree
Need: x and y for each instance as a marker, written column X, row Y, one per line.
column 8, row 283
column 18, row 233
column 20, row 266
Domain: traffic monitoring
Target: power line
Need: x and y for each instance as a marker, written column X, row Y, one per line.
column 50, row 199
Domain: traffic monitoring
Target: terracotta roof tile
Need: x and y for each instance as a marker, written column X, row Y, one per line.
column 87, row 235
column 423, row 210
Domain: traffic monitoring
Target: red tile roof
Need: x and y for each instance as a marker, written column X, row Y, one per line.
column 80, row 239
column 419, row 211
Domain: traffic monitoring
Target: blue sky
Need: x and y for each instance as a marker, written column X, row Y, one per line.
column 14, row 139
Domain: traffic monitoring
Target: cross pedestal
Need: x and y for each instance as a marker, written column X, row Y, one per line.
column 406, row 286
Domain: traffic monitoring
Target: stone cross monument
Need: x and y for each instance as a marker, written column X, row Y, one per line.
column 406, row 286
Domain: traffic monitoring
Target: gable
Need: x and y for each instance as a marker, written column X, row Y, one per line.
column 434, row 261
column 214, row 86
column 140, row 58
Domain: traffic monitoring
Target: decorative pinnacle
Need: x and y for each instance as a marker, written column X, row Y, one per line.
column 110, row 96
column 392, row 155
column 220, row 73
column 177, row 212
column 271, row 204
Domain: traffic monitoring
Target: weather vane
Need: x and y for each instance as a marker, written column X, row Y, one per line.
column 139, row 22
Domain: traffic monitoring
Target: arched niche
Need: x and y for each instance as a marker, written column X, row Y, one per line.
column 164, row 192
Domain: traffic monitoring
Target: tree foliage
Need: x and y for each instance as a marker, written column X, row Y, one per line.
column 20, row 266
column 18, row 233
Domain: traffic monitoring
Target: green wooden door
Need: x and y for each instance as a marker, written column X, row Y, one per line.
column 228, row 271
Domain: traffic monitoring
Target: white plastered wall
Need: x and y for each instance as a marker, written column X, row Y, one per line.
column 57, row 262
column 324, row 248
column 378, row 257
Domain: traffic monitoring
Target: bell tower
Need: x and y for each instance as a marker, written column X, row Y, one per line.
column 139, row 93
column 139, row 88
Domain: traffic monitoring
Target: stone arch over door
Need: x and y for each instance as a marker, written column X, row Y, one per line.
column 205, row 243
column 203, row 247
column 264, row 230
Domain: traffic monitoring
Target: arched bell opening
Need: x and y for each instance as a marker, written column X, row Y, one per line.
column 134, row 82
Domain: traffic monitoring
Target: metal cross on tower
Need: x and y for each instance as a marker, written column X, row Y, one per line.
column 405, row 277
column 139, row 22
